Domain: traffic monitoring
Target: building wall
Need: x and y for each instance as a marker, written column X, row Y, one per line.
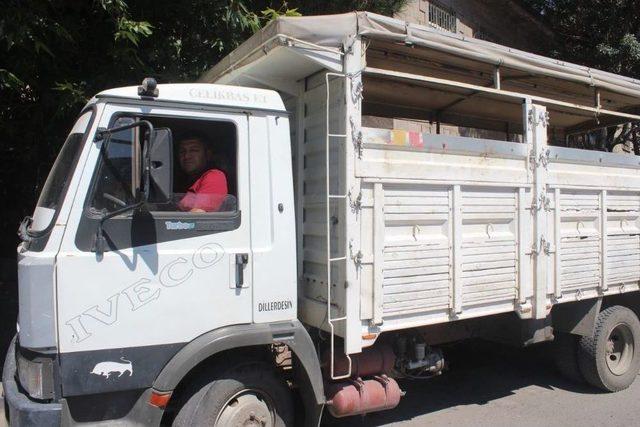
column 506, row 22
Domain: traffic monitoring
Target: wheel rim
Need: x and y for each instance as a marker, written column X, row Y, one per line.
column 247, row 408
column 619, row 349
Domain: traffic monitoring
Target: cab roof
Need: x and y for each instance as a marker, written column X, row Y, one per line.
column 208, row 94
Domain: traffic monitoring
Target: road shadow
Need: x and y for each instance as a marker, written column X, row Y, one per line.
column 478, row 373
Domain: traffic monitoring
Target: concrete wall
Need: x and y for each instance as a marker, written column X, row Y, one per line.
column 505, row 22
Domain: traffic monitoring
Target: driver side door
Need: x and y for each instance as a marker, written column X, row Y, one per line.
column 165, row 277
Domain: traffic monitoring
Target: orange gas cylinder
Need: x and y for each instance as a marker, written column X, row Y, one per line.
column 357, row 397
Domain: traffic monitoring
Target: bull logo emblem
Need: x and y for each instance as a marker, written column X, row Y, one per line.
column 105, row 369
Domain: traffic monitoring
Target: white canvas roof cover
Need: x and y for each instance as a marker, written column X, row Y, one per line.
column 334, row 32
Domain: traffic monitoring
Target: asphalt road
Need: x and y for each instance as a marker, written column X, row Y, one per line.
column 491, row 385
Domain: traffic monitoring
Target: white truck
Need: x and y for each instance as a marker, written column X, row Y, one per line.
column 390, row 188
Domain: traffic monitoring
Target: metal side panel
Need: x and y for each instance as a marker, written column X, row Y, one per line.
column 597, row 199
column 416, row 271
column 580, row 252
column 313, row 214
column 598, row 244
column 445, row 232
column 622, row 238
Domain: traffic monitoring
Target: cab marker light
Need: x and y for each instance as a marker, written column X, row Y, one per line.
column 159, row 399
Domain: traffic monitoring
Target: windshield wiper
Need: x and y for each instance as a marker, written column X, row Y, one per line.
column 23, row 229
column 100, row 240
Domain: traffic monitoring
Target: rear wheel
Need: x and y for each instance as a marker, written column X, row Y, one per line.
column 565, row 356
column 610, row 358
column 247, row 395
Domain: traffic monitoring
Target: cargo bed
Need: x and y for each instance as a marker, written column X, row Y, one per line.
column 479, row 211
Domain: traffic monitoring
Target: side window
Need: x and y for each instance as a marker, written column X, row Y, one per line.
column 205, row 175
column 114, row 187
column 205, row 168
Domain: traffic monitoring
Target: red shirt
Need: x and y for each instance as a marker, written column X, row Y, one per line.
column 207, row 193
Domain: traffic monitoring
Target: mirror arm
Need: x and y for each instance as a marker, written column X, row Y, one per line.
column 101, row 134
column 99, row 243
column 106, row 134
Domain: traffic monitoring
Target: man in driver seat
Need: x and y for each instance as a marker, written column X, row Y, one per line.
column 208, row 188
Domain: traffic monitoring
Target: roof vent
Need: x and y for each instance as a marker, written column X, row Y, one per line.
column 149, row 87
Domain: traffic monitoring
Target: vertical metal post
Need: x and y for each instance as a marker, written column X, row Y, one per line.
column 457, row 250
column 378, row 252
column 557, row 243
column 604, row 286
column 524, row 230
column 300, row 148
column 536, row 118
column 353, row 65
column 329, row 197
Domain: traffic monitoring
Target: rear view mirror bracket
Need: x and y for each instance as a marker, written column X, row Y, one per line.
column 158, row 167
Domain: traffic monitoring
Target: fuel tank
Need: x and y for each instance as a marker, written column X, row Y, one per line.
column 358, row 397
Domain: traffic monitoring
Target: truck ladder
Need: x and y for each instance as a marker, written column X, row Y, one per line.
column 330, row 260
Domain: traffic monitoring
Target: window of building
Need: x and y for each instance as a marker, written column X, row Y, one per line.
column 442, row 18
column 483, row 34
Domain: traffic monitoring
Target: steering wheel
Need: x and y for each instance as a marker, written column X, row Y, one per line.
column 114, row 199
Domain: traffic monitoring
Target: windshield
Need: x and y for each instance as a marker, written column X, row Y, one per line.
column 58, row 179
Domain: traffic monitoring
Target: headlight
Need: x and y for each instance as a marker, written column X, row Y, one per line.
column 36, row 377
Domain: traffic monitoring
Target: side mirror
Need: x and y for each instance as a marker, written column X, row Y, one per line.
column 159, row 167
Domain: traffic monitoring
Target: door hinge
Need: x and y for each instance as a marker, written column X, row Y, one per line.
column 356, row 92
column 541, row 160
column 539, row 118
column 356, row 138
column 355, row 256
column 355, row 202
column 542, row 247
column 543, row 202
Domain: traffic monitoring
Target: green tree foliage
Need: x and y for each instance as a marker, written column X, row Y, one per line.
column 54, row 55
column 603, row 34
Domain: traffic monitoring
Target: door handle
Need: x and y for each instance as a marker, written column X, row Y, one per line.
column 241, row 261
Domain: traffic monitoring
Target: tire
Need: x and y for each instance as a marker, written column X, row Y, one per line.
column 6, row 412
column 565, row 356
column 610, row 358
column 235, row 394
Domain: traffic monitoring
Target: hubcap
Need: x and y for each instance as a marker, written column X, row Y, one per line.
column 619, row 349
column 247, row 408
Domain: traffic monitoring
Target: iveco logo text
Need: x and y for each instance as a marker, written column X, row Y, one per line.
column 275, row 305
column 179, row 225
column 143, row 291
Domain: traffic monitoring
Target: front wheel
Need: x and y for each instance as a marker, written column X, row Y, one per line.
column 610, row 358
column 251, row 394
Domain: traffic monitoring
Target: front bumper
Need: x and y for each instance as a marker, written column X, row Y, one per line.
column 22, row 410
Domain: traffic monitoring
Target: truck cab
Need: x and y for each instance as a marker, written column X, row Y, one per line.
column 118, row 277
